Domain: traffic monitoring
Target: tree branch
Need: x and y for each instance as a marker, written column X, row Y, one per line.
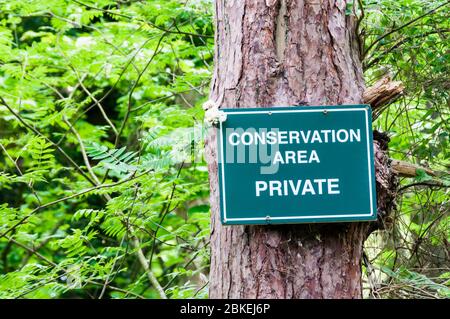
column 429, row 184
column 130, row 95
column 96, row 102
column 151, row 276
column 405, row 169
column 382, row 93
column 29, row 184
column 398, row 44
column 83, row 151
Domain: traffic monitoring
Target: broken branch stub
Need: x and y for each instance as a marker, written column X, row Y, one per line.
column 405, row 169
column 382, row 93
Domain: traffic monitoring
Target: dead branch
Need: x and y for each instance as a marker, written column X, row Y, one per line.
column 405, row 169
column 382, row 93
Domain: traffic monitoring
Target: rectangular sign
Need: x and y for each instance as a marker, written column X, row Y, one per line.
column 304, row 164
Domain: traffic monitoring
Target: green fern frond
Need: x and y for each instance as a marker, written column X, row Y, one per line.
column 117, row 160
column 92, row 214
column 6, row 180
column 158, row 161
column 75, row 244
column 41, row 153
column 113, row 227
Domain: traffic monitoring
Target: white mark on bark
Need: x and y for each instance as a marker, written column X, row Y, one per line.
column 281, row 31
column 271, row 3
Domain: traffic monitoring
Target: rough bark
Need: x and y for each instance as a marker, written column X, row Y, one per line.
column 280, row 53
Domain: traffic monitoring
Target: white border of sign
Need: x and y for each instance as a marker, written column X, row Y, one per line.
column 365, row 110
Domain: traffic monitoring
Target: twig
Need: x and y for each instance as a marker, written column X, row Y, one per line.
column 30, row 185
column 130, row 95
column 112, row 269
column 32, row 251
column 430, row 184
column 406, row 169
column 83, row 151
column 55, row 229
column 164, row 213
column 382, row 93
column 96, row 102
column 122, row 72
column 358, row 34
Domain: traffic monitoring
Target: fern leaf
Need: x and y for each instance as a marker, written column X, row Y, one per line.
column 117, row 160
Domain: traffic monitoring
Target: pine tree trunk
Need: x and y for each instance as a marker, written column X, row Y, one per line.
column 283, row 53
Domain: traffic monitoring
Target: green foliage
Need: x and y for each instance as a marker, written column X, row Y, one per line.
column 96, row 162
column 116, row 160
column 409, row 41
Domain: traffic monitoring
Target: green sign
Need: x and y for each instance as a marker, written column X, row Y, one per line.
column 304, row 164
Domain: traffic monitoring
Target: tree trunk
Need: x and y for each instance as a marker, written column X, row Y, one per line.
column 280, row 53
